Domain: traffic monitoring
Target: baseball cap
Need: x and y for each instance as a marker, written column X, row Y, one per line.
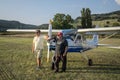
column 59, row 34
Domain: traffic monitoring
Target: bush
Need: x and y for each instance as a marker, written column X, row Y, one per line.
column 116, row 24
column 118, row 20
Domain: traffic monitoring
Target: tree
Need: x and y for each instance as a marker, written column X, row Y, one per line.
column 118, row 20
column 83, row 18
column 86, row 19
column 107, row 22
column 115, row 24
column 62, row 21
column 69, row 19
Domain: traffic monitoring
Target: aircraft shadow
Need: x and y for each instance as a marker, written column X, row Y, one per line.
column 96, row 68
column 75, row 61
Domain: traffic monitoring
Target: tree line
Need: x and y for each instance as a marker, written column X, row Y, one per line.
column 62, row 21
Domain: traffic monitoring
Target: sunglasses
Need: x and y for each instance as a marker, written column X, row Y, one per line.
column 59, row 35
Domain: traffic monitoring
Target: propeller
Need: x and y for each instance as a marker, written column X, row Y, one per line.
column 48, row 43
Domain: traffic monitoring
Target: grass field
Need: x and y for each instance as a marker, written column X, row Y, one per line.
column 18, row 63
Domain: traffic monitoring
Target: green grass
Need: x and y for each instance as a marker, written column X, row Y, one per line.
column 100, row 23
column 18, row 63
column 103, row 23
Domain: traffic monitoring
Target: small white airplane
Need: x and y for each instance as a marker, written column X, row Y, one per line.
column 76, row 41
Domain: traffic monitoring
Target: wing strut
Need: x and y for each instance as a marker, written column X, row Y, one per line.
column 108, row 36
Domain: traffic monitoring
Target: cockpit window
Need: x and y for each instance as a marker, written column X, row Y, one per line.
column 69, row 37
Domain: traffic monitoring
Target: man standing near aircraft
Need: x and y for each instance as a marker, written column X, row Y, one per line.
column 61, row 52
column 37, row 47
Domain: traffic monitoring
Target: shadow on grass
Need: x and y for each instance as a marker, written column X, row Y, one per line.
column 75, row 61
column 117, row 65
column 96, row 68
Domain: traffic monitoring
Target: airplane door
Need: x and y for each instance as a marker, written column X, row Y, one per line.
column 78, row 40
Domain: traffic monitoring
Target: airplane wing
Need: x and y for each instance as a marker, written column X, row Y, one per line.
column 30, row 30
column 108, row 29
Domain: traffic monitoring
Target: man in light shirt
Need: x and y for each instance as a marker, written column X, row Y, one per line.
column 37, row 47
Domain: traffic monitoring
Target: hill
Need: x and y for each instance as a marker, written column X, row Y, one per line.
column 99, row 17
column 5, row 24
column 112, row 15
column 104, row 19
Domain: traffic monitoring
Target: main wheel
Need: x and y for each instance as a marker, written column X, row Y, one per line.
column 90, row 63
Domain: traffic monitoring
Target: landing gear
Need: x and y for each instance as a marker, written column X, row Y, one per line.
column 90, row 62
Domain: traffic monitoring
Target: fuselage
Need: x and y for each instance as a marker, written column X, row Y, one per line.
column 77, row 45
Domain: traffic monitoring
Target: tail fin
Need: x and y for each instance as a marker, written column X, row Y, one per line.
column 95, row 39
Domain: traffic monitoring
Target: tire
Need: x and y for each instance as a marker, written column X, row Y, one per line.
column 90, row 63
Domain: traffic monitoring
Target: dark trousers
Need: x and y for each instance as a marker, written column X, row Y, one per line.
column 53, row 62
column 64, row 62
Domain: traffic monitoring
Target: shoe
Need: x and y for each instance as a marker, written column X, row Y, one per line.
column 62, row 71
column 52, row 68
column 37, row 68
column 56, row 72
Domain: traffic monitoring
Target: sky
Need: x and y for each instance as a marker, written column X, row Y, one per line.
column 39, row 12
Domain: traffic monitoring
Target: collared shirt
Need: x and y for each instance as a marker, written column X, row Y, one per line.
column 61, row 45
column 38, row 41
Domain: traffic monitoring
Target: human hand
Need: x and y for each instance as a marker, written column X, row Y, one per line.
column 64, row 54
column 46, row 37
column 32, row 51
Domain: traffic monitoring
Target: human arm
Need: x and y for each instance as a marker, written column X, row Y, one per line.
column 53, row 38
column 33, row 46
column 65, row 52
column 66, row 48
